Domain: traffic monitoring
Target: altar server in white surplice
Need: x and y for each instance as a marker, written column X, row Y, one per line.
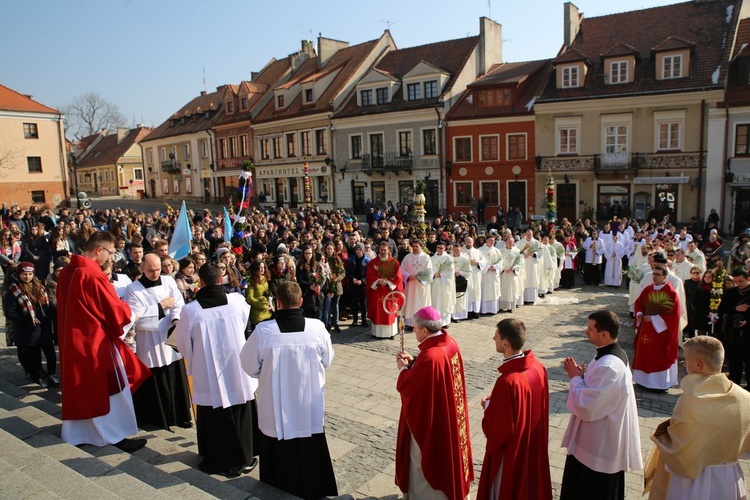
column 614, row 252
column 416, row 269
column 443, row 283
column 289, row 356
column 461, row 267
column 164, row 399
column 511, row 268
column 558, row 256
column 531, row 251
column 547, row 272
column 476, row 263
column 210, row 335
column 493, row 265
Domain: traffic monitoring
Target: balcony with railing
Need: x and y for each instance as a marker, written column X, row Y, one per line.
column 170, row 166
column 617, row 162
column 387, row 163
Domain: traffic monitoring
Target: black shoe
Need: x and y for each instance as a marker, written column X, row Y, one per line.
column 337, row 329
column 247, row 469
column 131, row 445
column 53, row 381
column 185, row 425
column 233, row 472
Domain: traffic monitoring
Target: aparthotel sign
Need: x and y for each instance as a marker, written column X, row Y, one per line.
column 290, row 171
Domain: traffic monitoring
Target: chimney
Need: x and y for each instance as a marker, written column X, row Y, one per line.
column 122, row 133
column 571, row 23
column 327, row 48
column 490, row 44
column 253, row 75
column 306, row 52
column 203, row 92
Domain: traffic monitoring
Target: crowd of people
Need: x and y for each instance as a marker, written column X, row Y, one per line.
column 133, row 325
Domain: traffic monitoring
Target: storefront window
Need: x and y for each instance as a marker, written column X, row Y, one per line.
column 378, row 194
column 666, row 202
column 406, row 192
column 323, row 189
column 612, row 200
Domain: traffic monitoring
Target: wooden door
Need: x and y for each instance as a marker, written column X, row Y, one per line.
column 567, row 201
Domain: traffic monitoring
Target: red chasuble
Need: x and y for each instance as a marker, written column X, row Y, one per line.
column 434, row 410
column 516, row 424
column 656, row 352
column 390, row 270
column 91, row 317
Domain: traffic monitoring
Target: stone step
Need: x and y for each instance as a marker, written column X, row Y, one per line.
column 33, row 463
column 119, row 472
column 167, row 462
column 16, row 484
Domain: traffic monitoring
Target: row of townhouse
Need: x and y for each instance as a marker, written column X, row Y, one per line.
column 109, row 164
column 643, row 113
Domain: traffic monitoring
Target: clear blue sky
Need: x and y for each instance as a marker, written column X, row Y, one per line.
column 147, row 56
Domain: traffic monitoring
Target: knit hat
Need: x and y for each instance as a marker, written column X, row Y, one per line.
column 221, row 251
column 429, row 313
column 361, row 246
column 282, row 248
column 61, row 262
column 25, row 267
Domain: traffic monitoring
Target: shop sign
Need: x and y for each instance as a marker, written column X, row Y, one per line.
column 741, row 179
column 289, row 171
column 681, row 179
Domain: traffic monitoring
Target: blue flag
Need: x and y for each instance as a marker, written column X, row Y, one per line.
column 227, row 226
column 179, row 247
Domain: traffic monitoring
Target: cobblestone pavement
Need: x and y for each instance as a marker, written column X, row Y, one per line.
column 362, row 404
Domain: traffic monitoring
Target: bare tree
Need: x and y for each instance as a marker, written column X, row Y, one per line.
column 8, row 160
column 90, row 113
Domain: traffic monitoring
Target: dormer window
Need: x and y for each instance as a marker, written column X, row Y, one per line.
column 413, row 91
column 672, row 66
column 243, row 103
column 279, row 101
column 570, row 77
column 366, row 97
column 230, row 107
column 430, row 89
column 308, row 95
column 489, row 98
column 618, row 72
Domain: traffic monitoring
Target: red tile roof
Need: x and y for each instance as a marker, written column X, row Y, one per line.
column 197, row 115
column 347, row 59
column 108, row 151
column 10, row 100
column 707, row 27
column 527, row 79
column 449, row 56
column 264, row 82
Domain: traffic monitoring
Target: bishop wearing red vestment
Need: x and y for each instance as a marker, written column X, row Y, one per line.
column 382, row 277
column 516, row 423
column 433, row 449
column 657, row 319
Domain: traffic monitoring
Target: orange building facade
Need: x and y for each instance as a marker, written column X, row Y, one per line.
column 490, row 142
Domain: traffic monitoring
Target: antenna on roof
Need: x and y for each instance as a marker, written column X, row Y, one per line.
column 388, row 23
column 489, row 9
column 204, row 78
